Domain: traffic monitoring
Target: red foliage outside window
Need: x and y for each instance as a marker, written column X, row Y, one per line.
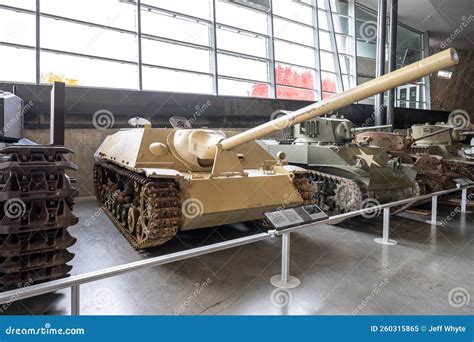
column 289, row 78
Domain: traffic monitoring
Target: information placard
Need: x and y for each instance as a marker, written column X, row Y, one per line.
column 285, row 218
column 463, row 181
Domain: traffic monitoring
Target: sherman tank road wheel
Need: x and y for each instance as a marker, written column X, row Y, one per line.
column 416, row 191
column 146, row 211
column 338, row 195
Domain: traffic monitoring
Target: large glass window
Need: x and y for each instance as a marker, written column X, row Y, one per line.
column 172, row 40
column 195, row 8
column 293, row 50
column 101, row 41
column 242, row 42
column 409, row 50
column 162, row 24
column 176, row 56
column 293, row 10
column 18, row 65
column 24, row 4
column 75, row 70
column 242, row 50
column 17, row 42
column 112, row 13
column 176, row 81
column 241, row 17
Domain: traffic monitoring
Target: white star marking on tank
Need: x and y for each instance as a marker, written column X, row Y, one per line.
column 369, row 158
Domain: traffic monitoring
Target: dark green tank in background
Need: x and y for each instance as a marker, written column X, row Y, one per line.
column 347, row 176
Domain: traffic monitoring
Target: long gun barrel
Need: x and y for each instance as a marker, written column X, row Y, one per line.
column 434, row 133
column 370, row 128
column 426, row 66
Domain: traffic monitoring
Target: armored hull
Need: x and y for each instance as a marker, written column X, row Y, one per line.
column 150, row 197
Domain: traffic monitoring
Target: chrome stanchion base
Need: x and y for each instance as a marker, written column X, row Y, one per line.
column 290, row 284
column 389, row 242
column 436, row 223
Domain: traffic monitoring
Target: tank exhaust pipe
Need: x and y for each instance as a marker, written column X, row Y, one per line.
column 409, row 73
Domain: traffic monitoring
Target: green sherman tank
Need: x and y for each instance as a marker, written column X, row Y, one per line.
column 346, row 176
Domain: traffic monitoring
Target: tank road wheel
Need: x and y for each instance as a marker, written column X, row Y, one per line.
column 124, row 215
column 347, row 197
column 146, row 211
column 338, row 195
column 118, row 211
column 132, row 219
column 137, row 187
column 142, row 231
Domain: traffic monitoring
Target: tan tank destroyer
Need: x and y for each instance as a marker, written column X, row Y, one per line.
column 153, row 182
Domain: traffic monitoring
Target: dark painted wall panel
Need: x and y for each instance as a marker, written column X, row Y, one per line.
column 206, row 110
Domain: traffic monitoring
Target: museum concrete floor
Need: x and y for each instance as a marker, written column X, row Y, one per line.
column 342, row 271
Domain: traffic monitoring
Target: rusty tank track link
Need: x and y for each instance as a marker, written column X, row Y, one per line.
column 147, row 212
column 34, row 239
column 33, row 261
column 25, row 244
column 11, row 281
column 302, row 183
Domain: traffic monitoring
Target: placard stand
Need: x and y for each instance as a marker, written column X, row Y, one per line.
column 285, row 280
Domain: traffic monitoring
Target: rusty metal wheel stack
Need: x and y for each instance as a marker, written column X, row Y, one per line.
column 36, row 201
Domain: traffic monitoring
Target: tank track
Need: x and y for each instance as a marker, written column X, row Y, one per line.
column 36, row 201
column 328, row 187
column 302, row 184
column 327, row 193
column 147, row 212
column 436, row 174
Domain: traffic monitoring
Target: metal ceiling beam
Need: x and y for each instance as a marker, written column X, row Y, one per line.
column 139, row 45
column 317, row 52
column 271, row 53
column 213, row 43
column 392, row 59
column 352, row 30
column 335, row 53
column 380, row 60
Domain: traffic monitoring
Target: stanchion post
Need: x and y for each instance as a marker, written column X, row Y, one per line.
column 285, row 280
column 434, row 212
column 385, row 240
column 464, row 201
column 75, row 300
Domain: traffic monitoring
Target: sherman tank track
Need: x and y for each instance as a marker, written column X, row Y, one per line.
column 36, row 201
column 146, row 211
column 339, row 195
